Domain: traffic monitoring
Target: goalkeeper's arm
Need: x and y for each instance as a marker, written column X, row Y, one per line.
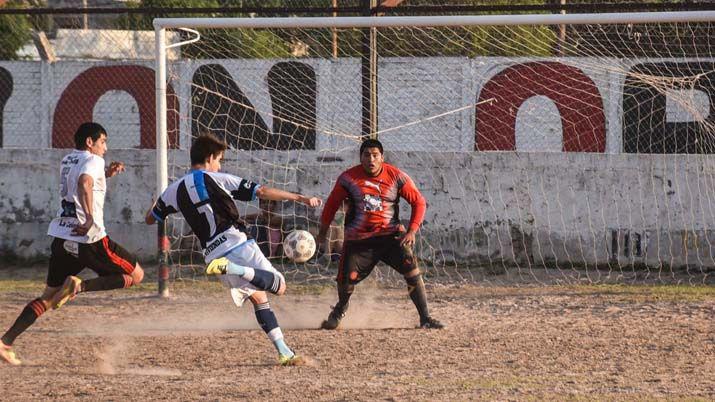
column 335, row 200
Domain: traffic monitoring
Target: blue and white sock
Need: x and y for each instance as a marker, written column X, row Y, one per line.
column 267, row 320
column 262, row 280
column 235, row 269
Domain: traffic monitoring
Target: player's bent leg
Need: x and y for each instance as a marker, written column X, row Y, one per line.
column 269, row 323
column 137, row 274
column 111, row 282
column 418, row 295
column 108, row 282
column 270, row 281
column 27, row 317
column 283, row 287
column 218, row 266
column 67, row 292
column 248, row 262
column 117, row 268
column 345, row 290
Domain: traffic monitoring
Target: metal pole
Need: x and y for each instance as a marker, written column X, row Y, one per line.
column 161, row 156
column 369, row 75
column 439, row 21
column 85, row 17
column 562, row 33
column 335, row 32
column 373, row 79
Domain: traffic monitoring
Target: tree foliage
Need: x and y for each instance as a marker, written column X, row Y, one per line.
column 392, row 42
column 15, row 32
column 215, row 43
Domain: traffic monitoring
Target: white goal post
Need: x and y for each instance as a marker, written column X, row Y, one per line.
column 519, row 215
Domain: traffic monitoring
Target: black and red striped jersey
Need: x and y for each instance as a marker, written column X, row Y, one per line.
column 373, row 202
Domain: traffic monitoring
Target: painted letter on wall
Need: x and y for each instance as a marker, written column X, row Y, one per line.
column 221, row 107
column 294, row 95
column 575, row 95
column 5, row 92
column 78, row 99
column 646, row 126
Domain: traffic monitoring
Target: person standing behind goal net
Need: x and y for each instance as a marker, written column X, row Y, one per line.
column 205, row 198
column 373, row 232
column 79, row 236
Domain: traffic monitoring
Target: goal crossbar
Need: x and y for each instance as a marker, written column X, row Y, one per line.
column 436, row 21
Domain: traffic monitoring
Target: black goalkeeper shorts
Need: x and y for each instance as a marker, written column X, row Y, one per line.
column 104, row 257
column 359, row 257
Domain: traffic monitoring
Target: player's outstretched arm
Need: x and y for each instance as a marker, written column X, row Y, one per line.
column 113, row 169
column 274, row 194
column 149, row 218
column 161, row 208
column 335, row 200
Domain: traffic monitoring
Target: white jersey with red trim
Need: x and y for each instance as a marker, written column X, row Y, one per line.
column 71, row 214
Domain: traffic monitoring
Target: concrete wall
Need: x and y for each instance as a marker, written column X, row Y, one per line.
column 496, row 208
column 425, row 104
column 29, row 199
column 574, row 198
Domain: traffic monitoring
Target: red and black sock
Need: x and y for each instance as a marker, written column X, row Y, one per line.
column 29, row 315
column 106, row 283
column 418, row 294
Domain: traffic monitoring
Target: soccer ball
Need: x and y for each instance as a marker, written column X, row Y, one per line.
column 299, row 246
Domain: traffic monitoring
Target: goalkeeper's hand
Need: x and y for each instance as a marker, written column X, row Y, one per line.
column 317, row 256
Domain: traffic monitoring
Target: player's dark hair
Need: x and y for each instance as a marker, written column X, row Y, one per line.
column 87, row 130
column 204, row 146
column 371, row 143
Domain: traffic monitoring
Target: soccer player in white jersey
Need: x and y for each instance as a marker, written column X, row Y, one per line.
column 79, row 236
column 205, row 198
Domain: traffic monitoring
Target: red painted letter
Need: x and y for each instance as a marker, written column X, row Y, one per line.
column 575, row 95
column 78, row 99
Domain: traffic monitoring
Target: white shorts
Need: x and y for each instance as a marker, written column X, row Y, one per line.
column 248, row 255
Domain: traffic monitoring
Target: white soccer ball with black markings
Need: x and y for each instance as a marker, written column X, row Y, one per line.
column 299, row 246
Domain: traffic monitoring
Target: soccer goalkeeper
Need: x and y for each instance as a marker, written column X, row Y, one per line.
column 373, row 231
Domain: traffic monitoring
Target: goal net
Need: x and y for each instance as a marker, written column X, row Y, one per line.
column 550, row 148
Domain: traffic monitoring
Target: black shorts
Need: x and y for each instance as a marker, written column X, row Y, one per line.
column 104, row 257
column 359, row 257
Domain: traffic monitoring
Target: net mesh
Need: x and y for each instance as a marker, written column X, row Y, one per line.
column 564, row 153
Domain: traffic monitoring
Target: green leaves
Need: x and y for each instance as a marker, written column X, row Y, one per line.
column 15, row 32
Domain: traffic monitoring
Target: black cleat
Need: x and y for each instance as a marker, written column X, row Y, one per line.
column 334, row 318
column 430, row 323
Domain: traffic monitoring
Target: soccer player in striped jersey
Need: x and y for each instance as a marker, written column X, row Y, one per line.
column 373, row 232
column 79, row 237
column 206, row 200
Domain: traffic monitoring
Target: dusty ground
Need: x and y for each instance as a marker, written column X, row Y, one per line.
column 503, row 343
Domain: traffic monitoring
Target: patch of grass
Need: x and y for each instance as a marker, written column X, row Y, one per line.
column 625, row 292
column 21, row 285
column 483, row 383
column 214, row 286
column 652, row 292
column 501, row 383
column 310, row 289
column 184, row 286
column 32, row 279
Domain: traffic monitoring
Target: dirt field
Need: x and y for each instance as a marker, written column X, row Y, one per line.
column 502, row 343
